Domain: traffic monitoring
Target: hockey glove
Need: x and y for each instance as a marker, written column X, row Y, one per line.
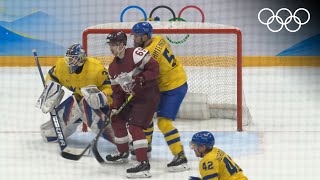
column 139, row 84
column 94, row 97
column 111, row 113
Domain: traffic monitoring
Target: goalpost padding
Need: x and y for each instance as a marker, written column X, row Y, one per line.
column 212, row 58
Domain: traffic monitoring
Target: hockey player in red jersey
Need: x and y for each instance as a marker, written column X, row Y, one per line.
column 132, row 71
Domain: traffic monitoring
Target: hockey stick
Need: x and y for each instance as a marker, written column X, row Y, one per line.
column 76, row 154
column 53, row 113
column 94, row 146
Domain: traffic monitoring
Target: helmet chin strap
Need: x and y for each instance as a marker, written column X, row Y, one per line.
column 147, row 42
column 144, row 43
column 201, row 154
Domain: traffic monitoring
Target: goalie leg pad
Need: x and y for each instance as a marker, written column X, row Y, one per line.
column 69, row 111
column 49, row 135
column 69, row 114
column 93, row 118
column 47, row 132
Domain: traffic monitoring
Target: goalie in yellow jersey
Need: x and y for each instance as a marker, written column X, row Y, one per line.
column 89, row 81
column 173, row 86
column 215, row 163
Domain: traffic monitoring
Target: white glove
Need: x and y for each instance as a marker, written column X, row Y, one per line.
column 112, row 112
column 94, row 97
column 50, row 97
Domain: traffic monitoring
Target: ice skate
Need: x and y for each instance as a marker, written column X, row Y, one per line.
column 140, row 170
column 179, row 163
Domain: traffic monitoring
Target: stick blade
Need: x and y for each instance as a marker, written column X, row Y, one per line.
column 73, row 153
column 97, row 154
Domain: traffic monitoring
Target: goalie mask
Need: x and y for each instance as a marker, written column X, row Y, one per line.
column 75, row 57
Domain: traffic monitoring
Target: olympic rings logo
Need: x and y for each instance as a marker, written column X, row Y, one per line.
column 174, row 17
column 284, row 22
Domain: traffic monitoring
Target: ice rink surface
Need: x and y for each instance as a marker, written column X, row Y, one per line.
column 282, row 143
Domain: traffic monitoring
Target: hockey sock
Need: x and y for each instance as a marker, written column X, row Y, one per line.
column 149, row 132
column 121, row 135
column 140, row 144
column 171, row 134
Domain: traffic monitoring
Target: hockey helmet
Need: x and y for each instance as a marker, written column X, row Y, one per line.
column 202, row 138
column 117, row 37
column 75, row 57
column 142, row 28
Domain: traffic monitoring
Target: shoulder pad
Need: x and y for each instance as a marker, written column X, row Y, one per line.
column 138, row 54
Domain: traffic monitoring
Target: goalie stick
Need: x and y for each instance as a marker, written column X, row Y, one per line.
column 53, row 113
column 76, row 154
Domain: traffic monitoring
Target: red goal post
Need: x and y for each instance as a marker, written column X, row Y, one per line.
column 180, row 28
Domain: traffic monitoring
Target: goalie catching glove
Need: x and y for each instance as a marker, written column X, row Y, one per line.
column 94, row 97
column 50, row 97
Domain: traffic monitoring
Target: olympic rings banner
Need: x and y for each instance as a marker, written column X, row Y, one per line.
column 157, row 18
column 286, row 21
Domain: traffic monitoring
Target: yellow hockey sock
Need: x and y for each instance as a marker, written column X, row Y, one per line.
column 171, row 134
column 149, row 132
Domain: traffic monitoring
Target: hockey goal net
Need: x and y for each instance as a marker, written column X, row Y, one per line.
column 212, row 58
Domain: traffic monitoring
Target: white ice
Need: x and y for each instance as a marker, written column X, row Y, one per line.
column 282, row 143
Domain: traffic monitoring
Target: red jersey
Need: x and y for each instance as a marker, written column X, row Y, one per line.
column 136, row 62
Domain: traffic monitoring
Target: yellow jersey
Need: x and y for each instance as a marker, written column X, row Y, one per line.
column 93, row 73
column 172, row 74
column 217, row 165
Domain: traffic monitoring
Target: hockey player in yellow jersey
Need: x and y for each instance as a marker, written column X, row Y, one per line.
column 215, row 163
column 173, row 86
column 89, row 81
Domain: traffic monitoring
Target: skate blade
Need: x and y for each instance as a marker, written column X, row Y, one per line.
column 142, row 174
column 120, row 161
column 182, row 167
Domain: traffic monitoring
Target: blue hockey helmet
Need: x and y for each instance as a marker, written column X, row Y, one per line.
column 202, row 138
column 75, row 57
column 142, row 28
